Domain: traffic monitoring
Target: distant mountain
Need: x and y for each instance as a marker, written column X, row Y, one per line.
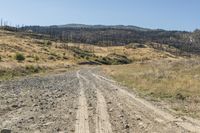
column 101, row 26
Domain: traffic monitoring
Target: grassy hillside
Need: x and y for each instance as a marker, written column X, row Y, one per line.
column 38, row 54
column 27, row 53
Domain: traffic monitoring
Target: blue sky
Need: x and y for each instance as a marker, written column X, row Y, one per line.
column 162, row 14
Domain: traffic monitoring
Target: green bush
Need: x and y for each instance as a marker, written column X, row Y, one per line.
column 0, row 58
column 19, row 57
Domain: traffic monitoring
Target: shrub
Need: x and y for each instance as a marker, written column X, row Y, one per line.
column 0, row 58
column 87, row 58
column 48, row 43
column 51, row 58
column 19, row 57
column 36, row 58
column 33, row 69
column 180, row 96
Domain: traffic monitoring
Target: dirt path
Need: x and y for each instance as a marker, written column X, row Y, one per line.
column 83, row 101
column 102, row 119
column 82, row 113
column 100, row 115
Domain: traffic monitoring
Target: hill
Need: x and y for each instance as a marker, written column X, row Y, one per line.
column 119, row 35
column 24, row 53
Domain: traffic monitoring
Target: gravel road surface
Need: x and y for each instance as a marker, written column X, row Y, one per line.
column 83, row 101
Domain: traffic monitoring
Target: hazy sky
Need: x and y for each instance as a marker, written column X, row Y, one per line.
column 163, row 14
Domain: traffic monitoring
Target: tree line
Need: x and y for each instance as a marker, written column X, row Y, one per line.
column 185, row 41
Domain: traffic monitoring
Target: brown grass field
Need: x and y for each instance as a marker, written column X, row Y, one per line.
column 41, row 54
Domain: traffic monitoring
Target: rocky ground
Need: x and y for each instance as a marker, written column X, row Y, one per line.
column 83, row 101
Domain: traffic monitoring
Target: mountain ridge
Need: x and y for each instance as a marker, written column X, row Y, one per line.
column 99, row 26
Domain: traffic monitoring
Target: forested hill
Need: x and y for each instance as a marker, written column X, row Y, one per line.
column 119, row 35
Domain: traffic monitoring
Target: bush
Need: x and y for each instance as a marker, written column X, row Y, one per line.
column 33, row 69
column 51, row 58
column 19, row 57
column 0, row 58
column 113, row 59
column 36, row 58
column 48, row 43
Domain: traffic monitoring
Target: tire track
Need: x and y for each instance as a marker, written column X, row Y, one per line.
column 82, row 125
column 102, row 120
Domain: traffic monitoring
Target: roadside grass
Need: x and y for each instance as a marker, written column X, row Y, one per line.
column 33, row 70
column 177, row 82
column 7, row 74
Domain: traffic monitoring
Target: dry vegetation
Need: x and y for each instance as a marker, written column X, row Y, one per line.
column 176, row 81
column 23, row 54
column 39, row 55
column 133, row 53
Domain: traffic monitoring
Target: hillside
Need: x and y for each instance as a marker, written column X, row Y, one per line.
column 119, row 35
column 41, row 54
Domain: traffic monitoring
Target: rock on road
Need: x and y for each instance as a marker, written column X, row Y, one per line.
column 83, row 101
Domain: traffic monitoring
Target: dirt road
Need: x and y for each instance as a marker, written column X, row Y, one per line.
column 83, row 101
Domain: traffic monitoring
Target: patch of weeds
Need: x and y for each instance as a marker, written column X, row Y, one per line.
column 180, row 96
column 81, row 53
column 36, row 58
column 54, row 56
column 19, row 57
column 135, row 45
column 8, row 74
column 32, row 69
column 51, row 58
column 47, row 43
column 113, row 59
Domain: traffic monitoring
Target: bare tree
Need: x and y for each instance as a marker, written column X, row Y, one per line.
column 1, row 22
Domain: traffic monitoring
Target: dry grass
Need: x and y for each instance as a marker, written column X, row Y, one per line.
column 175, row 81
column 39, row 52
column 34, row 50
column 135, row 54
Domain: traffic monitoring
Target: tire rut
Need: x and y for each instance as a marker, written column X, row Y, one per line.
column 82, row 125
column 102, row 119
column 99, row 114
